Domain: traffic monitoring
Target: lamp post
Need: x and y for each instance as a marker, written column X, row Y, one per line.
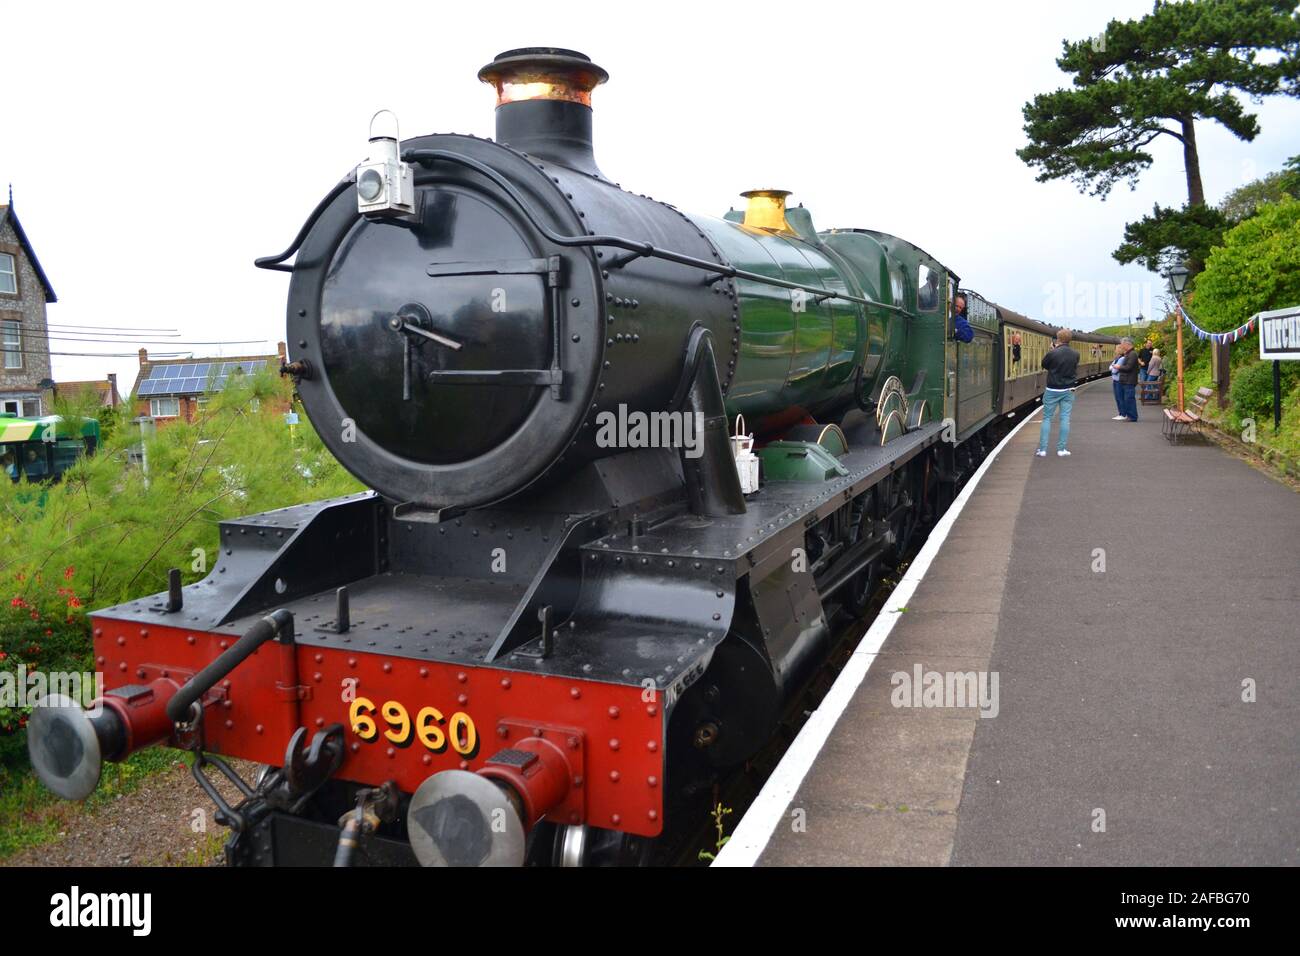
column 1177, row 277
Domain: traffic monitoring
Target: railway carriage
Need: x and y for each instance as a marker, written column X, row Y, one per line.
column 1023, row 376
column 533, row 642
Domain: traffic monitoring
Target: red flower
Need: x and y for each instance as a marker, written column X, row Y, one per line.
column 35, row 616
column 48, row 632
column 17, row 602
column 73, row 601
column 68, row 572
column 3, row 655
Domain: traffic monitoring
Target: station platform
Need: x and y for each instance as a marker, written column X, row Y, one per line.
column 1129, row 599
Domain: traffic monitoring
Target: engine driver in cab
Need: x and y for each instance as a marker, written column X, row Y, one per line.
column 961, row 330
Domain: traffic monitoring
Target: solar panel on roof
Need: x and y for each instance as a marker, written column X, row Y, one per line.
column 203, row 368
column 146, row 387
column 172, row 371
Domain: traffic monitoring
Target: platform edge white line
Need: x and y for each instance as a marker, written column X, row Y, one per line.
column 756, row 827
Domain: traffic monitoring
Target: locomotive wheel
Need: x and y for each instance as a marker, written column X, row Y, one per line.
column 899, row 492
column 591, row 846
column 859, row 590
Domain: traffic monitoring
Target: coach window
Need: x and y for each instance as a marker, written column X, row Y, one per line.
column 927, row 289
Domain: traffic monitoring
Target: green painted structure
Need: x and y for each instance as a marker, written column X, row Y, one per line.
column 804, row 358
column 42, row 449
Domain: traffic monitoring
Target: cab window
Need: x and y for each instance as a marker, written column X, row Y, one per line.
column 927, row 289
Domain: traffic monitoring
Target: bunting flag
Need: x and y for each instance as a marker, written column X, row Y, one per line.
column 1219, row 338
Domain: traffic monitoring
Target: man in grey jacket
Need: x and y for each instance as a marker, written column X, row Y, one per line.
column 1128, row 378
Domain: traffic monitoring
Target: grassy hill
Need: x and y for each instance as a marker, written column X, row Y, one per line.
column 1122, row 330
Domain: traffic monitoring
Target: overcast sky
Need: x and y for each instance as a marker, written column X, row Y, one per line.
column 155, row 150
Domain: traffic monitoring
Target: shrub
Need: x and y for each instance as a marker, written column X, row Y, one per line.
column 38, row 637
column 1252, row 388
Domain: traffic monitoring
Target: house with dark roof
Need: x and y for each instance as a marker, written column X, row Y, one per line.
column 171, row 389
column 25, row 379
column 104, row 390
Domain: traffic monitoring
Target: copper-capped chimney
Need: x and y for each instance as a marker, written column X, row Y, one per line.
column 544, row 103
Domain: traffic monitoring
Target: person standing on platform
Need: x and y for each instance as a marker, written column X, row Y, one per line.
column 1144, row 361
column 1062, row 364
column 1114, row 383
column 1155, row 367
column 1128, row 378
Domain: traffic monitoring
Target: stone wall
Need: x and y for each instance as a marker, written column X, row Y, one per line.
column 27, row 308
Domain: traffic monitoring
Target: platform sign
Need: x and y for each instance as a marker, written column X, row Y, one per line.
column 1279, row 341
column 1279, row 334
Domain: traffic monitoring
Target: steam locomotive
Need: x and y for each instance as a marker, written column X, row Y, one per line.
column 567, row 606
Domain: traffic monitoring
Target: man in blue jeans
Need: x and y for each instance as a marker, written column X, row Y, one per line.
column 1062, row 364
column 1114, row 383
column 1128, row 368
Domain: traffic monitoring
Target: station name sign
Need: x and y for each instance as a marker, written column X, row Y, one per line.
column 1279, row 334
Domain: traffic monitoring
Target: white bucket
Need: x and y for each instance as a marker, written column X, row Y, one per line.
column 742, row 449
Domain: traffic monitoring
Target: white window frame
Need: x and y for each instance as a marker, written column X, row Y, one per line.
column 11, row 342
column 9, row 268
column 156, row 403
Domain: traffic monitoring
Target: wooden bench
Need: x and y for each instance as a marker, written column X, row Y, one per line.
column 1179, row 424
column 1151, row 392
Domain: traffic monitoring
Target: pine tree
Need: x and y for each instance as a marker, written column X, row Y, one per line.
column 1157, row 76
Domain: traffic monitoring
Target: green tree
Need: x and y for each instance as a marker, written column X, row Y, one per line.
column 1257, row 268
column 1169, row 234
column 1244, row 201
column 1144, row 79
